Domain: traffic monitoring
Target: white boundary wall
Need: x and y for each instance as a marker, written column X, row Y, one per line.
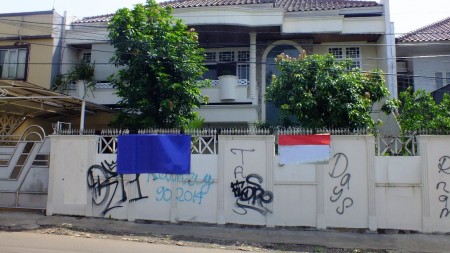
column 245, row 184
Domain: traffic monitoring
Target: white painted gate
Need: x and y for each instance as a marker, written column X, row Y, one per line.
column 24, row 164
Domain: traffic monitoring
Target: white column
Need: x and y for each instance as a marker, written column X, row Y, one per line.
column 391, row 67
column 320, row 197
column 252, row 94
column 221, row 182
column 427, row 221
column 82, row 118
column 371, row 178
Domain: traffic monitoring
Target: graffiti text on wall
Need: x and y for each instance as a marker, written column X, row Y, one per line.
column 191, row 190
column 101, row 178
column 441, row 186
column 247, row 190
column 339, row 172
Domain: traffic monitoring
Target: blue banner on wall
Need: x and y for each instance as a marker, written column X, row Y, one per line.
column 148, row 153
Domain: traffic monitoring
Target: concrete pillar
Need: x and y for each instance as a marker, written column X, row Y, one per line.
column 252, row 94
column 370, row 141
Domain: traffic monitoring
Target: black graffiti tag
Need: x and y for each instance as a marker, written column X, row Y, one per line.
column 340, row 172
column 236, row 150
column 250, row 195
column 441, row 165
column 442, row 186
column 247, row 190
column 100, row 179
column 444, row 199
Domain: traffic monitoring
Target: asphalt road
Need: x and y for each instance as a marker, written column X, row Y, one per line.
column 24, row 242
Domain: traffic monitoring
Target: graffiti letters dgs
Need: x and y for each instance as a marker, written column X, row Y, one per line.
column 441, row 186
column 340, row 173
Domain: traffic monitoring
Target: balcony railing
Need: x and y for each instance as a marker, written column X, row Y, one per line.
column 105, row 85
column 241, row 82
column 99, row 85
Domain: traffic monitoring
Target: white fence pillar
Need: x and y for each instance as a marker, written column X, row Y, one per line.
column 435, row 152
column 70, row 158
column 247, row 176
column 346, row 184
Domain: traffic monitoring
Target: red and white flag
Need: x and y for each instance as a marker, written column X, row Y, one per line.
column 295, row 149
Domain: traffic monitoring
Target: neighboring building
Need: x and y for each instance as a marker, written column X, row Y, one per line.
column 242, row 38
column 424, row 58
column 30, row 59
column 30, row 46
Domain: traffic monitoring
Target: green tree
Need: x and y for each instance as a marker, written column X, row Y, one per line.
column 322, row 93
column 160, row 62
column 83, row 72
column 420, row 112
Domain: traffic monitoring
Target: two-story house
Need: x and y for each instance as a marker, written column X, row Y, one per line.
column 30, row 60
column 424, row 60
column 29, row 57
column 242, row 39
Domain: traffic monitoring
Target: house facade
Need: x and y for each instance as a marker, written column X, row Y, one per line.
column 424, row 60
column 242, row 39
column 30, row 60
column 30, row 52
column 30, row 46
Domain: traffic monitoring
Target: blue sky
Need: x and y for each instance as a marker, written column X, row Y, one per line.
column 407, row 15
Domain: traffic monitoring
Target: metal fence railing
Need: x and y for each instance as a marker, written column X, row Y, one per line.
column 396, row 145
column 205, row 141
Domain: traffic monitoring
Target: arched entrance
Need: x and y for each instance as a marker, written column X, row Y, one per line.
column 270, row 113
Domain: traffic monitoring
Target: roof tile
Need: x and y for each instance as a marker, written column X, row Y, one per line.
column 438, row 31
column 288, row 5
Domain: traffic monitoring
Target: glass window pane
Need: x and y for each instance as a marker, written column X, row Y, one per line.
column 3, row 64
column 448, row 77
column 86, row 57
column 12, row 64
column 210, row 57
column 22, row 59
column 356, row 64
column 352, row 52
column 243, row 71
column 336, row 52
column 244, row 56
column 226, row 56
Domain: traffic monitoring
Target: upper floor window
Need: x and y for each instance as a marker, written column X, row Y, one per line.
column 86, row 57
column 345, row 53
column 227, row 56
column 243, row 56
column 13, row 63
column 210, row 57
column 336, row 52
column 234, row 61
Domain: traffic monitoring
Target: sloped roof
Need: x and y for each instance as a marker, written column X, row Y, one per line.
column 288, row 5
column 438, row 31
column 95, row 19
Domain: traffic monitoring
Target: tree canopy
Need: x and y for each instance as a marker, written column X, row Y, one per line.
column 159, row 62
column 420, row 112
column 321, row 92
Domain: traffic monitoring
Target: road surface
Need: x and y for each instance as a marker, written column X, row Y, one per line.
column 25, row 242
